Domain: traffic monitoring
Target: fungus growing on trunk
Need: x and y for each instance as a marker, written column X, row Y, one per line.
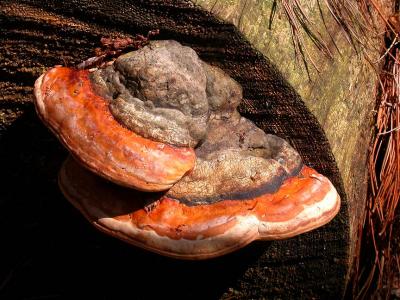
column 160, row 119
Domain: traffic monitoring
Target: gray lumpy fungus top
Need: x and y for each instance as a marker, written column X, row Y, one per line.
column 159, row 92
column 165, row 92
column 237, row 160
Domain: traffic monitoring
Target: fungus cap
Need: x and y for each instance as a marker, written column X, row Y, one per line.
column 160, row 119
column 169, row 227
column 81, row 119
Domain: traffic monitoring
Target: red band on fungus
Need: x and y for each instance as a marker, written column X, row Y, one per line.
column 82, row 120
column 172, row 228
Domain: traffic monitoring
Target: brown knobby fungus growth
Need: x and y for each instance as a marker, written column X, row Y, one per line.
column 160, row 119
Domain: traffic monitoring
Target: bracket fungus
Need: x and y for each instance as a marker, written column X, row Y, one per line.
column 163, row 160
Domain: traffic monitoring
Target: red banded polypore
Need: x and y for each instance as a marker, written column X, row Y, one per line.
column 81, row 119
column 172, row 228
column 160, row 119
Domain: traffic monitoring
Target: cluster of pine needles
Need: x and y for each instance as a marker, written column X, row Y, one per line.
column 377, row 269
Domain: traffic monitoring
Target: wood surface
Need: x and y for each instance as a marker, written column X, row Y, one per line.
column 341, row 93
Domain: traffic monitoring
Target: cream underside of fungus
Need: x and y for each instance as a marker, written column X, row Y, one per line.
column 160, row 119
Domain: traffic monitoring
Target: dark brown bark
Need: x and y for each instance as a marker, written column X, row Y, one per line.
column 57, row 252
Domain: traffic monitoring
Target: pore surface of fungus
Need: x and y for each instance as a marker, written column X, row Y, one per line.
column 161, row 119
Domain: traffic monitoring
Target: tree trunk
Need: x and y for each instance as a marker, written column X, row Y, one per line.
column 341, row 95
column 58, row 253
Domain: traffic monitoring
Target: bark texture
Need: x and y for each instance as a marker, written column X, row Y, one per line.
column 57, row 252
column 341, row 95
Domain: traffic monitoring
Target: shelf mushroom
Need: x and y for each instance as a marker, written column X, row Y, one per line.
column 67, row 104
column 160, row 119
column 173, row 228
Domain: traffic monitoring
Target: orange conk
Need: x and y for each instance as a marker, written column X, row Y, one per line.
column 83, row 122
column 171, row 228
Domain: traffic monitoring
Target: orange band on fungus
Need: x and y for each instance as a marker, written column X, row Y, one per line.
column 172, row 228
column 82, row 121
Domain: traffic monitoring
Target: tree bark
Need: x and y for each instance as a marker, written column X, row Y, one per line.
column 58, row 253
column 341, row 94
